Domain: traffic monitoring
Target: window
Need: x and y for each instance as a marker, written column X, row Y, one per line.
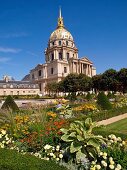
column 53, row 43
column 4, row 93
column 17, row 92
column 60, row 56
column 39, row 73
column 23, row 91
column 40, row 86
column 59, row 43
column 66, row 43
column 32, row 76
column 51, row 70
column 52, row 56
column 11, row 92
column 65, row 69
column 67, row 56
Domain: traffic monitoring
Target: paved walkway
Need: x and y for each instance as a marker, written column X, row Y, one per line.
column 112, row 120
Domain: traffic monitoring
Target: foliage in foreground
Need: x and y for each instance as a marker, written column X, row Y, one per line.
column 12, row 160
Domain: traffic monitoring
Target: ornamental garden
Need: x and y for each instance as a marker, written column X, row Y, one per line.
column 65, row 133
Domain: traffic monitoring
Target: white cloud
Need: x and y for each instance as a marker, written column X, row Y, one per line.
column 31, row 53
column 4, row 59
column 14, row 35
column 9, row 50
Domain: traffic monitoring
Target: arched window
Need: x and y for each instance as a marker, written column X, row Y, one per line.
column 59, row 43
column 39, row 73
column 52, row 56
column 67, row 56
column 60, row 56
column 51, row 70
column 66, row 43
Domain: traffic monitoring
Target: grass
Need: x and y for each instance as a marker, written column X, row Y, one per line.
column 118, row 128
column 12, row 160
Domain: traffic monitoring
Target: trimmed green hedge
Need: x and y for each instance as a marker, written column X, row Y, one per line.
column 12, row 160
column 102, row 115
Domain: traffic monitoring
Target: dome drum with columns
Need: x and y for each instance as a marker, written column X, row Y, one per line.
column 61, row 58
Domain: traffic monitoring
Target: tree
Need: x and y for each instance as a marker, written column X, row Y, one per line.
column 96, row 83
column 109, row 79
column 10, row 104
column 85, row 82
column 52, row 87
column 122, row 77
column 103, row 101
column 70, row 83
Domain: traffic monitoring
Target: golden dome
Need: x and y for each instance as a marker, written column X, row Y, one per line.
column 60, row 32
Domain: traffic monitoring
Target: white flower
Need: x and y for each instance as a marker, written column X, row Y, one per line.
column 51, row 154
column 110, row 159
column 104, row 157
column 47, row 159
column 57, row 159
column 119, row 139
column 0, row 136
column 119, row 166
column 112, row 162
column 101, row 153
column 104, row 163
column 123, row 142
column 111, row 166
column 3, row 132
column 104, row 154
column 98, row 167
column 60, row 156
column 46, row 147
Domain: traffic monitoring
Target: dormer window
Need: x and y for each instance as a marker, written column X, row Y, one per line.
column 59, row 43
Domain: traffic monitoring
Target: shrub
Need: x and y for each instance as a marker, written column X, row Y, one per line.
column 103, row 101
column 88, row 96
column 10, row 104
column 12, row 160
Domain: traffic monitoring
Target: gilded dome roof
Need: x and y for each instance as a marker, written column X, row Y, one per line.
column 60, row 32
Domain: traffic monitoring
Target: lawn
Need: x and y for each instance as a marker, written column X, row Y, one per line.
column 118, row 128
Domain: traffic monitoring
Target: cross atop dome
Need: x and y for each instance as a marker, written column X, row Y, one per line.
column 60, row 20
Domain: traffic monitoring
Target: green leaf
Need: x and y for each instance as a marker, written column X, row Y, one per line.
column 80, row 138
column 93, row 142
column 64, row 130
column 80, row 155
column 73, row 134
column 75, row 147
column 66, row 138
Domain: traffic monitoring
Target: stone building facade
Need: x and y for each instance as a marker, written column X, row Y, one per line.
column 61, row 58
column 9, row 86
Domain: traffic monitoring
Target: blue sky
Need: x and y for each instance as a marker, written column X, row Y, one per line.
column 99, row 28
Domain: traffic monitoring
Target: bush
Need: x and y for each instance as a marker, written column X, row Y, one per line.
column 88, row 96
column 10, row 104
column 12, row 160
column 103, row 101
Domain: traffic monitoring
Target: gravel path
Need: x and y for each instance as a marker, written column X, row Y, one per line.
column 112, row 120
